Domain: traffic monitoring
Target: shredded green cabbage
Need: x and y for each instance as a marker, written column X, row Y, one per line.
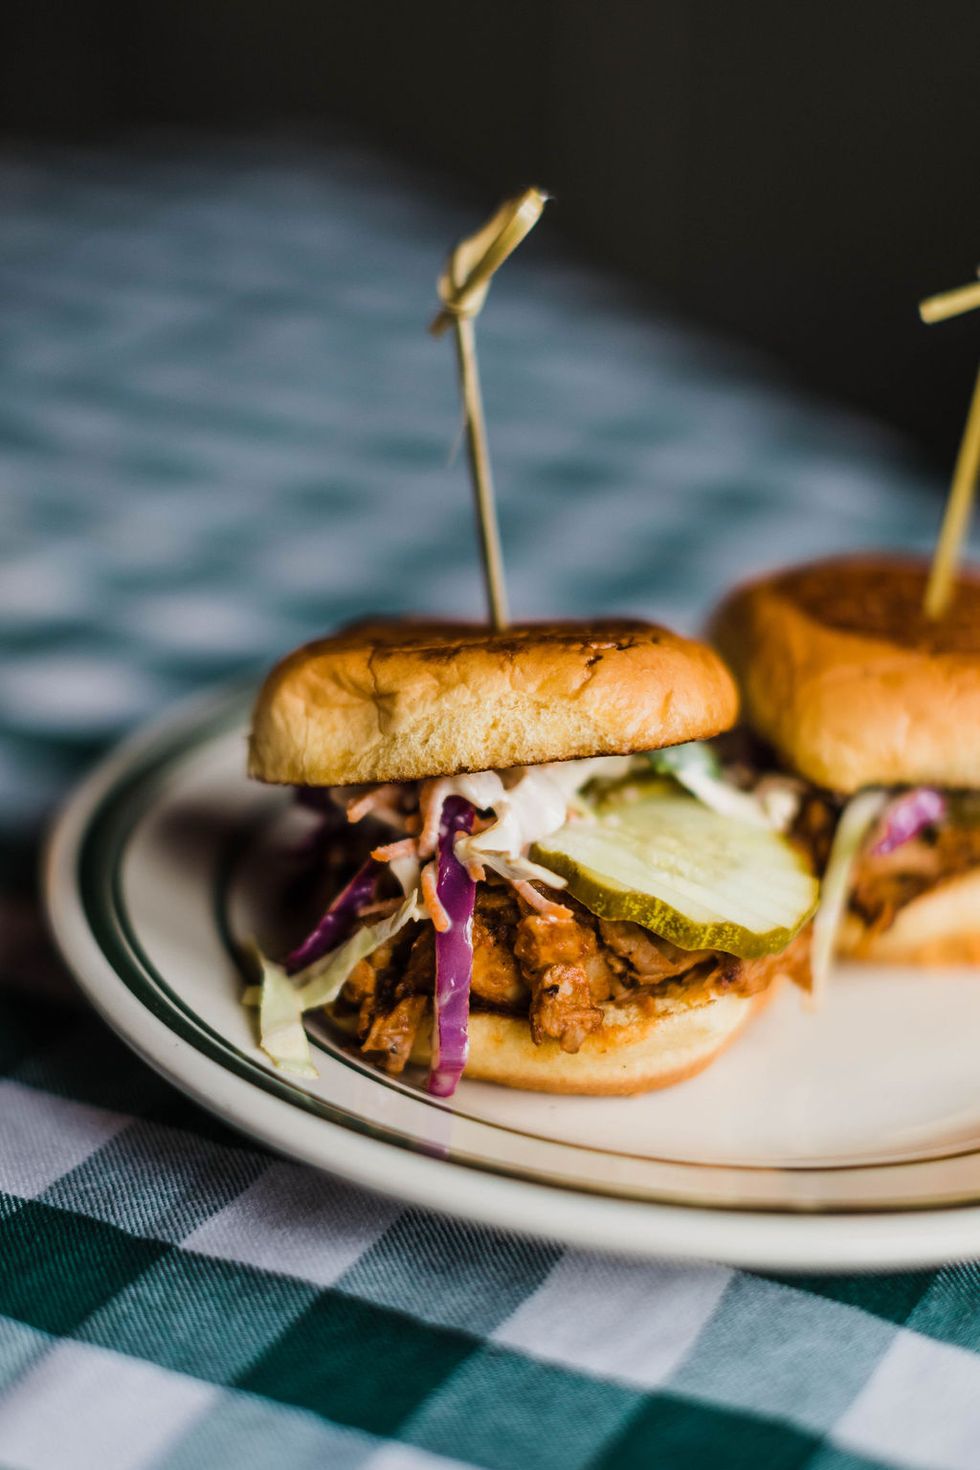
column 856, row 821
column 695, row 766
column 281, row 1033
column 282, row 999
column 693, row 755
column 515, row 870
column 321, row 982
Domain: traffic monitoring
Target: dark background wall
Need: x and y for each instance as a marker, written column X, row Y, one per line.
column 797, row 174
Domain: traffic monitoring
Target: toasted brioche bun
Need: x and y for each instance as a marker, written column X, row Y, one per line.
column 635, row 1051
column 942, row 927
column 844, row 675
column 403, row 701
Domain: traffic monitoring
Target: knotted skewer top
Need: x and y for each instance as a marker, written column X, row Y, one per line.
column 463, row 287
column 464, row 284
column 956, row 518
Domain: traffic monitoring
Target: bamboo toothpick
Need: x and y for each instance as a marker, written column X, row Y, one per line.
column 950, row 303
column 956, row 517
column 463, row 288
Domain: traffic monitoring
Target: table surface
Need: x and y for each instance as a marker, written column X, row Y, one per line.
column 222, row 428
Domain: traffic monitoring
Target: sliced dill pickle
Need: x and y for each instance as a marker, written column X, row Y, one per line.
column 702, row 880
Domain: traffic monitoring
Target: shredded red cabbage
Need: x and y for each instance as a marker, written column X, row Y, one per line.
column 456, row 892
column 338, row 921
column 906, row 817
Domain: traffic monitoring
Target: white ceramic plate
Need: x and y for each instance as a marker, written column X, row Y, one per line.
column 839, row 1140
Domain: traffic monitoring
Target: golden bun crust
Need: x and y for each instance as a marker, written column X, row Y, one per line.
column 843, row 674
column 402, row 701
column 635, row 1051
column 942, row 927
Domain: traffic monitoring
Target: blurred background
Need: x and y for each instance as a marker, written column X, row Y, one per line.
column 797, row 176
column 223, row 426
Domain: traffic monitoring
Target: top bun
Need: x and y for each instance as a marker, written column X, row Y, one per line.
column 842, row 672
column 401, row 701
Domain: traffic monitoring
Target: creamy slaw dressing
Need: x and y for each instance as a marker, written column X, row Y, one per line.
column 533, row 804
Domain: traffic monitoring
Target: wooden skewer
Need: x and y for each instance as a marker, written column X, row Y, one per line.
column 481, row 474
column 463, row 289
column 941, row 307
column 956, row 517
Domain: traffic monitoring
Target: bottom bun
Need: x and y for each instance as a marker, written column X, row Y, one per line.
column 942, row 927
column 635, row 1051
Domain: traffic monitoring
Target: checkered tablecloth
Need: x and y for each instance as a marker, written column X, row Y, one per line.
column 222, row 428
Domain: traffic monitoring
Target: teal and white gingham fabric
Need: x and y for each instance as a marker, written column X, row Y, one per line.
column 222, row 428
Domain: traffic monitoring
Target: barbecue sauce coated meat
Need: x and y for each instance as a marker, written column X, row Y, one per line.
column 557, row 973
column 555, row 955
column 884, row 883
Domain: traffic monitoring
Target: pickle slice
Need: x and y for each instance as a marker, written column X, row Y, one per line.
column 700, row 879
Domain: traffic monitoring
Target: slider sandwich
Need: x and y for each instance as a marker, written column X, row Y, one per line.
column 526, row 888
column 875, row 708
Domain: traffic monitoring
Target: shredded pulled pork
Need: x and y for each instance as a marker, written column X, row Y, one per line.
column 560, row 973
column 497, row 977
column 557, row 956
column 885, row 882
column 650, row 958
column 664, row 972
column 814, row 827
column 393, row 1033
